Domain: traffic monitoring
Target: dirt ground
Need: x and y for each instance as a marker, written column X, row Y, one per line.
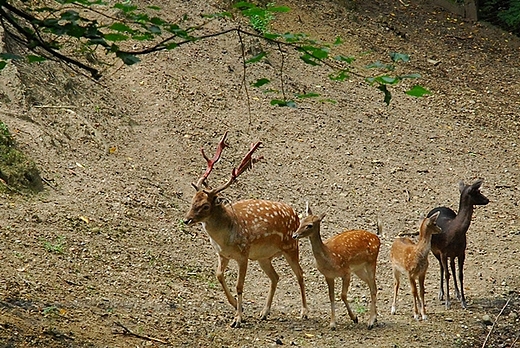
column 104, row 247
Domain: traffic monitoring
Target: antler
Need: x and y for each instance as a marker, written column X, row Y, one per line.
column 247, row 163
column 211, row 162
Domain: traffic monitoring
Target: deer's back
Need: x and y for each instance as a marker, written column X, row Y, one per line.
column 407, row 258
column 267, row 225
column 450, row 241
column 354, row 247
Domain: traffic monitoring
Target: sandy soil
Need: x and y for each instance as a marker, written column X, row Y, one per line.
column 104, row 244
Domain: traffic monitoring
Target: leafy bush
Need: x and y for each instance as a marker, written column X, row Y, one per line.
column 17, row 172
column 502, row 13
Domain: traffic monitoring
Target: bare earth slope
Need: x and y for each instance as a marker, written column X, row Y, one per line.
column 104, row 244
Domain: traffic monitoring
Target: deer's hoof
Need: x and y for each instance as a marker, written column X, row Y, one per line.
column 237, row 323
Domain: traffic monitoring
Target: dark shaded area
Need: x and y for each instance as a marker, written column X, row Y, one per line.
column 502, row 13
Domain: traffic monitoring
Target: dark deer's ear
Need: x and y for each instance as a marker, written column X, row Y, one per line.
column 461, row 186
column 477, row 184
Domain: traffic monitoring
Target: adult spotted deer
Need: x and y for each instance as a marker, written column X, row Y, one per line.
column 346, row 253
column 246, row 230
column 451, row 243
column 411, row 259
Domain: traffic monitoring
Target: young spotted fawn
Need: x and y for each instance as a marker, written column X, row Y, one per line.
column 346, row 253
column 411, row 259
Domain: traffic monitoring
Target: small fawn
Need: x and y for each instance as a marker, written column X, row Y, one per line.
column 411, row 259
column 346, row 253
column 246, row 230
column 451, row 243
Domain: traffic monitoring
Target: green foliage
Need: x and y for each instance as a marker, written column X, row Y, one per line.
column 75, row 26
column 57, row 247
column 383, row 81
column 17, row 172
column 260, row 18
column 503, row 13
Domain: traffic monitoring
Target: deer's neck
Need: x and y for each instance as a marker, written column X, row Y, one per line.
column 424, row 244
column 221, row 225
column 319, row 249
column 464, row 215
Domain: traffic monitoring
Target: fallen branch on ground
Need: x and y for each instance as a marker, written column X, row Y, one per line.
column 127, row 331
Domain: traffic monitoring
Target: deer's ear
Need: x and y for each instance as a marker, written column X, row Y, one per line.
column 308, row 210
column 461, row 186
column 477, row 184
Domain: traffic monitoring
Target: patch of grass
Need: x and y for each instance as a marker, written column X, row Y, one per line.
column 18, row 173
column 359, row 308
column 58, row 246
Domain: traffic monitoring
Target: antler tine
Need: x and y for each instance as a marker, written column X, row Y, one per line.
column 211, row 162
column 247, row 163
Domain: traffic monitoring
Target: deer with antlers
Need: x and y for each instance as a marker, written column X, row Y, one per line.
column 246, row 230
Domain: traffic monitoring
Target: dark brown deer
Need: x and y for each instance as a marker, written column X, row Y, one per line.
column 346, row 253
column 411, row 259
column 246, row 230
column 451, row 243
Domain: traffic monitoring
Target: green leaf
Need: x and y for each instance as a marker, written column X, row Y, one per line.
column 8, row 56
column 261, row 82
column 152, row 7
column 121, row 27
column 383, row 80
column 418, row 91
column 128, row 59
column 256, row 58
column 348, row 60
column 309, row 59
column 243, row 5
column 157, row 21
column 338, row 41
column 396, row 57
column 271, row 36
column 289, row 103
column 70, row 15
column 307, row 95
column 126, row 8
column 410, row 76
column 171, row 46
column 379, row 65
column 340, row 76
column 316, row 52
column 115, row 37
column 2, row 64
column 155, row 30
column 35, row 59
column 388, row 95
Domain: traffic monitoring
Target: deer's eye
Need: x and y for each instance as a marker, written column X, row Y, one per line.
column 308, row 227
column 205, row 207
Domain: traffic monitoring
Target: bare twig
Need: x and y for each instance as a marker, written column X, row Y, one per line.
column 54, row 106
column 244, row 82
column 281, row 71
column 493, row 326
column 127, row 331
